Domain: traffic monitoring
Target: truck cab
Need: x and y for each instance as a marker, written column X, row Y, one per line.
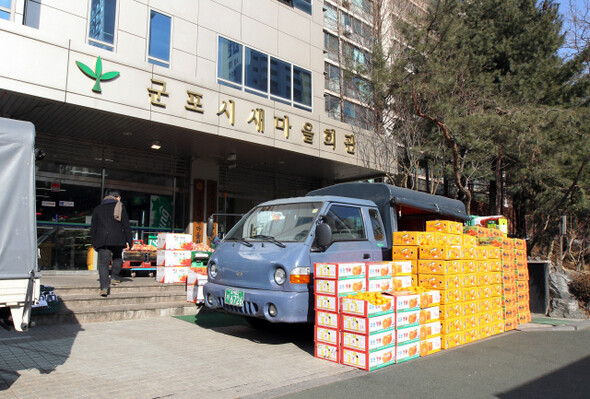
column 263, row 268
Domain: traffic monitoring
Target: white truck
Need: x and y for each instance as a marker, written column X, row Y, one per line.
column 19, row 270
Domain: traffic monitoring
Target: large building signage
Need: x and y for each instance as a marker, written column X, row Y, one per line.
column 157, row 95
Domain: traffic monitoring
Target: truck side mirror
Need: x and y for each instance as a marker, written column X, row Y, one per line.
column 210, row 226
column 323, row 235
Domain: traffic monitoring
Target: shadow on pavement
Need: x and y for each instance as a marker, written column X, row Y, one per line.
column 258, row 331
column 41, row 348
column 570, row 382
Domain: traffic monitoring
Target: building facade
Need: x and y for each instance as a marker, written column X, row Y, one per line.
column 189, row 108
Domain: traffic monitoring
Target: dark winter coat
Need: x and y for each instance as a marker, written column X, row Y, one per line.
column 106, row 230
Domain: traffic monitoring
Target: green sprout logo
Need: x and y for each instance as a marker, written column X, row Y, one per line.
column 97, row 74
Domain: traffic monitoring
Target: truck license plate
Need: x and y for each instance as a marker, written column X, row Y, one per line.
column 234, row 297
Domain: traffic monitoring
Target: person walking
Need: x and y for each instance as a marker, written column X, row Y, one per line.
column 110, row 233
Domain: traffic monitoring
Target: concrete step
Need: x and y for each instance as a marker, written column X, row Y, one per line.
column 120, row 298
column 91, row 290
column 86, row 314
column 80, row 301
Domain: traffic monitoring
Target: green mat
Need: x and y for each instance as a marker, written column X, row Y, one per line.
column 212, row 320
column 549, row 320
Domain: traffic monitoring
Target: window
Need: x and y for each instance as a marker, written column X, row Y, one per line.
column 330, row 17
column 357, row 88
column 301, row 86
column 346, row 223
column 159, row 45
column 5, row 9
column 331, row 46
column 378, row 230
column 356, row 55
column 332, row 106
column 356, row 115
column 280, row 79
column 263, row 75
column 256, row 70
column 303, row 5
column 332, row 74
column 285, row 222
column 229, row 65
column 32, row 13
column 101, row 32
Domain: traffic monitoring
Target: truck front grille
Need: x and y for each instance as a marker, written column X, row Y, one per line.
column 249, row 308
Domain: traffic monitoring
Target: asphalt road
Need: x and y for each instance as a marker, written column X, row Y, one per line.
column 520, row 364
column 213, row 355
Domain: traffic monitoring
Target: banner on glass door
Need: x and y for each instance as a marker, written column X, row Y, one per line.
column 160, row 211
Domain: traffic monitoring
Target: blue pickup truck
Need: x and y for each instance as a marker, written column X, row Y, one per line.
column 263, row 268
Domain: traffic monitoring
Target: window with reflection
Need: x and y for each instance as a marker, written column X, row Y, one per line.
column 101, row 32
column 244, row 68
column 159, row 41
column 5, row 9
column 256, row 70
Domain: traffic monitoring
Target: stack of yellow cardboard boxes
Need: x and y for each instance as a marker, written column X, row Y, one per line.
column 515, row 276
column 468, row 276
column 522, row 282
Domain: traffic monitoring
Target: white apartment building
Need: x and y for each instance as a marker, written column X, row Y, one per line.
column 188, row 107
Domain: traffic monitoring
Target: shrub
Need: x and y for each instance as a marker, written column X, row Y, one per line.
column 580, row 287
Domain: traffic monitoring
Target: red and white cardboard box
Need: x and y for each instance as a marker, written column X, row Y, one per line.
column 337, row 271
column 327, row 352
column 327, row 319
column 407, row 351
column 174, row 241
column 368, row 360
column 405, row 300
column 173, row 258
column 194, row 294
column 368, row 342
column 361, row 307
column 174, row 275
column 379, row 285
column 377, row 270
column 327, row 335
column 340, row 287
column 328, row 303
column 407, row 319
column 193, row 278
column 408, row 334
column 367, row 325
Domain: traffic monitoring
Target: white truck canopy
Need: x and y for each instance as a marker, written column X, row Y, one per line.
column 18, row 231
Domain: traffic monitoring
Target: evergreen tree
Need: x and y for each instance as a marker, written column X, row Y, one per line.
column 484, row 82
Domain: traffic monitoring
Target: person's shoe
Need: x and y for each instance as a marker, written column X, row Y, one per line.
column 115, row 282
column 104, row 292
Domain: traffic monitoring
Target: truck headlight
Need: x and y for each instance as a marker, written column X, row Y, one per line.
column 280, row 276
column 213, row 270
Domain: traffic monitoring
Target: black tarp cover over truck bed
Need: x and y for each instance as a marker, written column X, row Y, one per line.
column 18, row 231
column 385, row 196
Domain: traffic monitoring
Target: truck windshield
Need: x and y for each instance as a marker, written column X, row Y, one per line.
column 285, row 222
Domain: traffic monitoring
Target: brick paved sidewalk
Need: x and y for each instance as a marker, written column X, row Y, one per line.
column 155, row 358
